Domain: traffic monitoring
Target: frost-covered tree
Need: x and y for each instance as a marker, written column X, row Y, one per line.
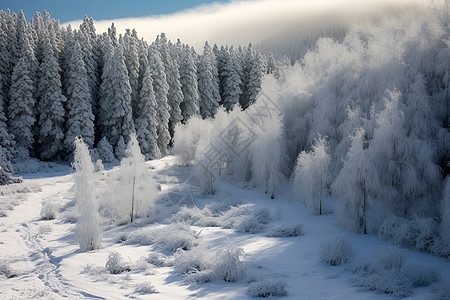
column 80, row 120
column 208, row 87
column 87, row 230
column 160, row 88
column 189, row 85
column 105, row 150
column 351, row 186
column 312, row 175
column 136, row 182
column 21, row 114
column 6, row 139
column 267, row 154
column 50, row 106
column 253, row 86
column 115, row 106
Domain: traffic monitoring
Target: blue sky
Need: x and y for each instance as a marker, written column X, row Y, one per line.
column 67, row 10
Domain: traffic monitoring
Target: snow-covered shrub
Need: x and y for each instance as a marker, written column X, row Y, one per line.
column 248, row 223
column 192, row 215
column 87, row 231
column 195, row 260
column 228, row 264
column 115, row 264
column 223, row 205
column 157, row 259
column 418, row 233
column 420, row 275
column 267, row 288
column 6, row 270
column 285, row 231
column 337, row 251
column 99, row 166
column 187, row 137
column 169, row 237
column 49, row 210
column 387, row 273
column 145, row 288
column 176, row 236
column 142, row 265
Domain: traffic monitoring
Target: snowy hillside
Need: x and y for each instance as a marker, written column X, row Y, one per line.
column 40, row 259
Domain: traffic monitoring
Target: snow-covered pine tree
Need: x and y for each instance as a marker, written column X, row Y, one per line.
column 21, row 108
column 131, row 55
column 231, row 80
column 146, row 117
column 208, row 87
column 255, row 74
column 115, row 106
column 7, row 58
column 50, row 107
column 6, row 169
column 160, row 88
column 119, row 151
column 88, row 41
column 271, row 65
column 175, row 94
column 87, row 230
column 312, row 175
column 445, row 217
column 189, row 85
column 80, row 120
column 105, row 150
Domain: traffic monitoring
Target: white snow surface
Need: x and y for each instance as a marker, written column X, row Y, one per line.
column 40, row 259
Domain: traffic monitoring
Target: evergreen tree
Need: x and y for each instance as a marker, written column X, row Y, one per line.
column 231, row 81
column 189, row 85
column 160, row 88
column 105, row 150
column 119, row 151
column 207, row 84
column 173, row 77
column 132, row 63
column 146, row 116
column 115, row 107
column 50, row 107
column 21, row 113
column 80, row 120
column 254, row 81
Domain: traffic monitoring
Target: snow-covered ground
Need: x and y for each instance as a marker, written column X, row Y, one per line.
column 40, row 259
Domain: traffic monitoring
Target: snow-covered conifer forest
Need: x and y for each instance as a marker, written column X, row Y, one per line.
column 312, row 165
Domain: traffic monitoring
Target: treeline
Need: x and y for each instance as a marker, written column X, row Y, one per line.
column 360, row 127
column 59, row 83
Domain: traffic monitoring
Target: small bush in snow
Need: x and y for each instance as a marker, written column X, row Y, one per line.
column 145, row 288
column 285, row 231
column 337, row 251
column 115, row 264
column 195, row 260
column 228, row 264
column 267, row 288
column 49, row 210
column 6, row 270
column 170, row 237
column 44, row 229
column 387, row 273
column 248, row 224
column 157, row 259
column 418, row 233
column 191, row 215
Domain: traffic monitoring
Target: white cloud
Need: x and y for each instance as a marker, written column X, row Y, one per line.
column 241, row 22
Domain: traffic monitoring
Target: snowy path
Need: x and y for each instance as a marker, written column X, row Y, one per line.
column 21, row 248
